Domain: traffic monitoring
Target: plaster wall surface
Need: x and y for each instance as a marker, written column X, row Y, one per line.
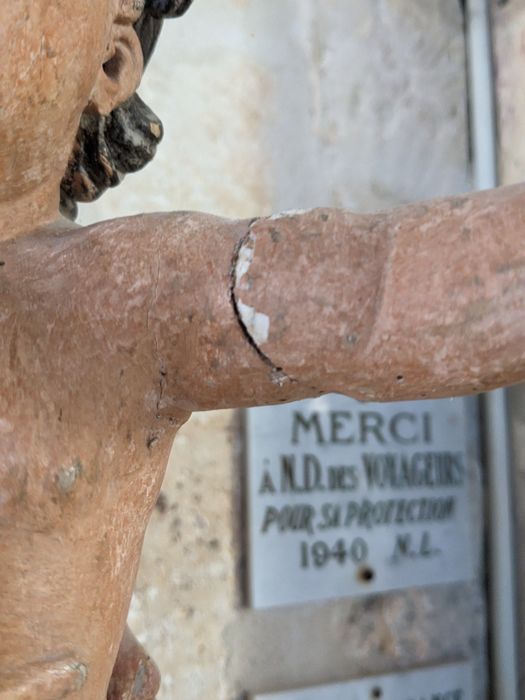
column 271, row 105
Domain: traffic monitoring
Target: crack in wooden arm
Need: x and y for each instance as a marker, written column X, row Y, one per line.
column 425, row 301
column 306, row 289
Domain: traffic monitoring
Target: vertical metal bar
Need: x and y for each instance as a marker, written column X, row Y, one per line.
column 501, row 565
column 482, row 95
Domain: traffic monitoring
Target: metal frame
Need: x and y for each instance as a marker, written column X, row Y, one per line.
column 500, row 526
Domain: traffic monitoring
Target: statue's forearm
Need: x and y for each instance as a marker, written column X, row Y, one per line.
column 427, row 300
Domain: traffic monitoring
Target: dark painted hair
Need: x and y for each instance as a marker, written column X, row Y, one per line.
column 108, row 147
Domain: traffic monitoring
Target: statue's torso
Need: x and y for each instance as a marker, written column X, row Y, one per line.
column 82, row 456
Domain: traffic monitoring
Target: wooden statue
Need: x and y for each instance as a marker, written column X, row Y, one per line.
column 111, row 335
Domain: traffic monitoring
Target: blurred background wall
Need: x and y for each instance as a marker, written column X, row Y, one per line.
column 269, row 105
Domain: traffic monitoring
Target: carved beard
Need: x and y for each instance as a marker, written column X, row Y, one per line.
column 163, row 9
column 108, row 147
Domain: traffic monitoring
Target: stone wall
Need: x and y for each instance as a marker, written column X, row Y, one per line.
column 269, row 105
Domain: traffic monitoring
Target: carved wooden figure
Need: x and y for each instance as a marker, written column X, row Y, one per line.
column 111, row 335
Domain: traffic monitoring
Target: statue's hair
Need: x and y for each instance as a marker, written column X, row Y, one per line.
column 108, row 147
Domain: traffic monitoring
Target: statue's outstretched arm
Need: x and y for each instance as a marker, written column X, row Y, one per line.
column 425, row 301
column 119, row 330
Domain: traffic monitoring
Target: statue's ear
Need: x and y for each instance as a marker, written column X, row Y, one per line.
column 121, row 72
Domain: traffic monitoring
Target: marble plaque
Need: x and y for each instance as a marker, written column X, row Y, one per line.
column 345, row 498
column 440, row 683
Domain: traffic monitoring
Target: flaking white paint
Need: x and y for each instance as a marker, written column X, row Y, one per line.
column 256, row 323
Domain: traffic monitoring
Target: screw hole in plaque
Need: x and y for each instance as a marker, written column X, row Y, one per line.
column 376, row 693
column 366, row 574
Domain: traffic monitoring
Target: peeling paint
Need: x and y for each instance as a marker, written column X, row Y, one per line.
column 254, row 324
column 81, row 671
column 244, row 261
column 257, row 324
column 67, row 477
column 289, row 213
